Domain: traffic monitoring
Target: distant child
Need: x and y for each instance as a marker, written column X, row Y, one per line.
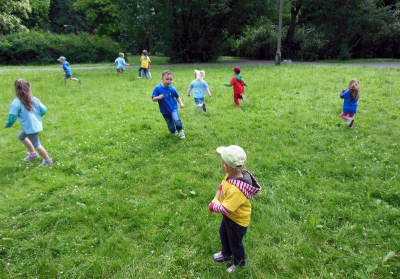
column 237, row 82
column 167, row 97
column 144, row 64
column 350, row 95
column 67, row 70
column 29, row 111
column 199, row 87
column 120, row 61
column 233, row 201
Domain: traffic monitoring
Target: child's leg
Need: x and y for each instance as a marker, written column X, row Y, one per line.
column 140, row 72
column 345, row 116
column 235, row 236
column 32, row 155
column 170, row 124
column 176, row 120
column 145, row 75
column 236, row 99
column 34, row 140
column 76, row 79
column 28, row 144
column 223, row 234
column 43, row 152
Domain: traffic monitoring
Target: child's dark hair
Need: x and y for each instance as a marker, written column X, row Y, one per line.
column 144, row 52
column 167, row 72
column 23, row 90
column 354, row 89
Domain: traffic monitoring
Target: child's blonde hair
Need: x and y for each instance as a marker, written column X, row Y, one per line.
column 199, row 74
column 354, row 89
column 121, row 54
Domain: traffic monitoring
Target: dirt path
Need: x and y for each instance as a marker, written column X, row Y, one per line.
column 230, row 63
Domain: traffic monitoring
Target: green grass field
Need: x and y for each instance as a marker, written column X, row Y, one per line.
column 125, row 199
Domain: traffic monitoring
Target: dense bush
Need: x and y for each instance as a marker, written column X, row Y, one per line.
column 259, row 42
column 37, row 48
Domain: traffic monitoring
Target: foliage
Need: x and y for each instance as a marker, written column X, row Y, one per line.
column 39, row 17
column 11, row 16
column 125, row 199
column 260, row 42
column 38, row 48
column 386, row 42
column 62, row 13
column 102, row 16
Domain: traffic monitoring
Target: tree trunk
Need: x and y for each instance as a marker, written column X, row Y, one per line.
column 294, row 11
column 150, row 39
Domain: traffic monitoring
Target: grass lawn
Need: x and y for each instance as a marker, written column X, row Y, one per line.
column 125, row 199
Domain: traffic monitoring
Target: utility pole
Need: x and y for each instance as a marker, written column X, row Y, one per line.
column 278, row 57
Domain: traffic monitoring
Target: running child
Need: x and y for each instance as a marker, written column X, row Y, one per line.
column 167, row 97
column 351, row 94
column 238, row 86
column 67, row 70
column 199, row 87
column 29, row 111
column 120, row 61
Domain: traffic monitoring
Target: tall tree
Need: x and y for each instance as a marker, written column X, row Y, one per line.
column 13, row 12
column 102, row 16
column 345, row 23
column 63, row 13
column 192, row 30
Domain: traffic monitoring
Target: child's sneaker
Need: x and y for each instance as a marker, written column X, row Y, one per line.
column 243, row 98
column 79, row 81
column 219, row 257
column 203, row 107
column 351, row 123
column 231, row 269
column 181, row 134
column 31, row 157
column 48, row 162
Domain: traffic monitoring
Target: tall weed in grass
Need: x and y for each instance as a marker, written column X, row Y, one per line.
column 125, row 199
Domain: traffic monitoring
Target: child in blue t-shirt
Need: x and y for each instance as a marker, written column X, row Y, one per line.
column 67, row 70
column 120, row 61
column 199, row 87
column 167, row 97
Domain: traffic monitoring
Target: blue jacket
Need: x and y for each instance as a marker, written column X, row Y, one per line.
column 349, row 105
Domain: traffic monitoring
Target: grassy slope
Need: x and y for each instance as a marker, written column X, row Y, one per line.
column 125, row 199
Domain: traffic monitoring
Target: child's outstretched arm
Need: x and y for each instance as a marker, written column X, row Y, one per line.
column 227, row 84
column 180, row 102
column 189, row 90
column 208, row 92
column 245, row 84
column 10, row 120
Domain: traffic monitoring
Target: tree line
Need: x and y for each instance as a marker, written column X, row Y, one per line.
column 200, row 31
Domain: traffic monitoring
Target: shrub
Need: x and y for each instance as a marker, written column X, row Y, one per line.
column 37, row 48
column 259, row 42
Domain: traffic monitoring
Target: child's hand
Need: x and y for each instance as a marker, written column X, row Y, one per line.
column 227, row 84
column 160, row 96
column 182, row 105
